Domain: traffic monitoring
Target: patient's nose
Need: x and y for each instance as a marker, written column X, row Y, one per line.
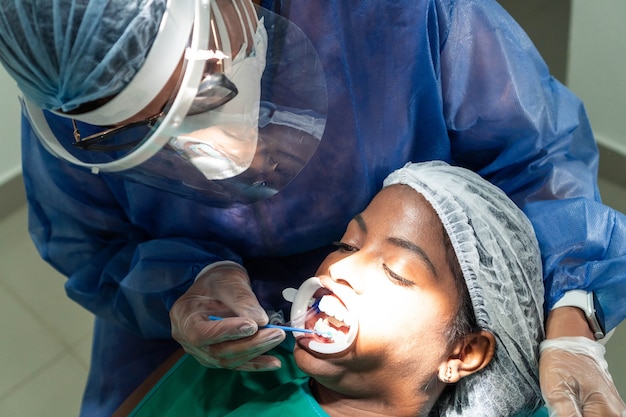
column 349, row 271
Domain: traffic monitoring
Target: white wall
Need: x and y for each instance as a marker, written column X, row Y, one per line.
column 10, row 127
column 597, row 66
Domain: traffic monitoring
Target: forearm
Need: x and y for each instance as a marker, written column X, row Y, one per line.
column 582, row 245
column 117, row 268
column 567, row 322
column 118, row 277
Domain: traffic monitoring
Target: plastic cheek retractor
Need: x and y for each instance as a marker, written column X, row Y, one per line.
column 337, row 325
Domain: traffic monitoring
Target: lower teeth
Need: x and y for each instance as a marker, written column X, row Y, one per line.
column 323, row 327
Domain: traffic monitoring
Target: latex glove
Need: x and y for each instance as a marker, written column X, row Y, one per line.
column 223, row 289
column 575, row 379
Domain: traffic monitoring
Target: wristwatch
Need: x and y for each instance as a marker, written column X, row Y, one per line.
column 588, row 303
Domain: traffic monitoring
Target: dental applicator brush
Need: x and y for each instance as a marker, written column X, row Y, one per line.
column 285, row 328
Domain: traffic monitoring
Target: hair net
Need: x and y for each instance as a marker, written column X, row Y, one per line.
column 64, row 53
column 496, row 247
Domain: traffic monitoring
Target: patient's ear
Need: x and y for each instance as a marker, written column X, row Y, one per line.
column 469, row 355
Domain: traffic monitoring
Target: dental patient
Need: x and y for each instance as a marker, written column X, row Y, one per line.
column 431, row 305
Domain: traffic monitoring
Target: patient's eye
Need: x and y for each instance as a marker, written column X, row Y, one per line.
column 344, row 247
column 397, row 278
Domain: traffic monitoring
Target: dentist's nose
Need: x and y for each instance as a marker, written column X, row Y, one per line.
column 349, row 271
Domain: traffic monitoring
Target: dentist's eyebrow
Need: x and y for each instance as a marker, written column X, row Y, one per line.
column 359, row 220
column 405, row 244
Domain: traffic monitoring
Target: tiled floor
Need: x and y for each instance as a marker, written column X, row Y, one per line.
column 45, row 338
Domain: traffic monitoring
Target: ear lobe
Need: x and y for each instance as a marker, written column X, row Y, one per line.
column 470, row 355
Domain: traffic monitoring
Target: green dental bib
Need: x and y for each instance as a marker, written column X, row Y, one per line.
column 189, row 389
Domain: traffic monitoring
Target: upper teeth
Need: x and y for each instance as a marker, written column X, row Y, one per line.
column 333, row 307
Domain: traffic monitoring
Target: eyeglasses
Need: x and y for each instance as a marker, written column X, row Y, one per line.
column 95, row 142
column 214, row 91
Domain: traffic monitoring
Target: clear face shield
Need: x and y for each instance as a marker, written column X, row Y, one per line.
column 239, row 108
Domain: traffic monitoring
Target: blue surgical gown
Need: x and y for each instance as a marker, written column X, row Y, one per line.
column 407, row 80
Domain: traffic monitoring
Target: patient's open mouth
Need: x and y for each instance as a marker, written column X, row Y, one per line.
column 329, row 317
column 330, row 326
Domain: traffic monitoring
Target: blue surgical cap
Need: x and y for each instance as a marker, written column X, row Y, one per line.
column 64, row 53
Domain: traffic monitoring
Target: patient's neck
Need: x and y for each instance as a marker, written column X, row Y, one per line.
column 406, row 401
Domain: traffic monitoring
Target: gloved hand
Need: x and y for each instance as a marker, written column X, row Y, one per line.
column 223, row 289
column 575, row 379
